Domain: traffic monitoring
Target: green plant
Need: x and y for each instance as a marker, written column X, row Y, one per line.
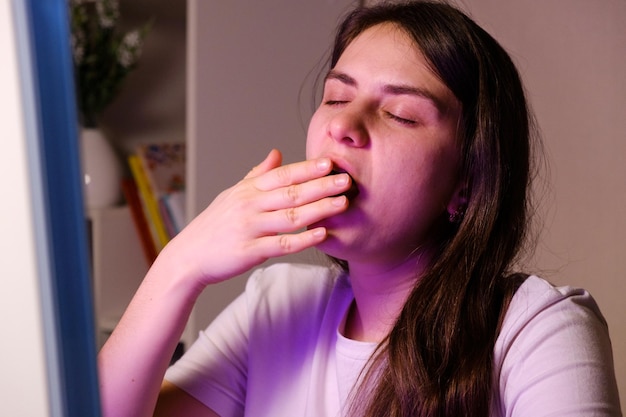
column 103, row 55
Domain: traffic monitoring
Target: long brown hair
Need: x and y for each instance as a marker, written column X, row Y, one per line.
column 437, row 359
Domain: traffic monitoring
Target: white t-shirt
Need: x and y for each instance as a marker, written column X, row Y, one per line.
column 277, row 351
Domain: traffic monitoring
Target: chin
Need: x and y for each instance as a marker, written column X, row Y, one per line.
column 344, row 234
column 334, row 247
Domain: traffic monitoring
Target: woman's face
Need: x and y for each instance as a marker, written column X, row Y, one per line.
column 390, row 122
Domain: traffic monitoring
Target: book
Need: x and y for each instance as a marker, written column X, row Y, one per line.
column 175, row 206
column 150, row 203
column 131, row 194
column 158, row 176
column 164, row 167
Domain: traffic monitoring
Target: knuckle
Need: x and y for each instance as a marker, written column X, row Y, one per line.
column 284, row 242
column 283, row 174
column 292, row 194
column 292, row 216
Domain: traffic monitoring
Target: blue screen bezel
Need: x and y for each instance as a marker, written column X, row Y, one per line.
column 73, row 333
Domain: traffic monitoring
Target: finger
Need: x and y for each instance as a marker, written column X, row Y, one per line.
column 273, row 160
column 295, row 173
column 285, row 244
column 291, row 219
column 308, row 192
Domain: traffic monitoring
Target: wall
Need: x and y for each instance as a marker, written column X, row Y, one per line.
column 22, row 352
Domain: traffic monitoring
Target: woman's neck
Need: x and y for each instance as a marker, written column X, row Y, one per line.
column 379, row 295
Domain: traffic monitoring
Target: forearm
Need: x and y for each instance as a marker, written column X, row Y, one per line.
column 134, row 359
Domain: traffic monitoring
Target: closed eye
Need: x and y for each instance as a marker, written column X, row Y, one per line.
column 401, row 120
column 335, row 102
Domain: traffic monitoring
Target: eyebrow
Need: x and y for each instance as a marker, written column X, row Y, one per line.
column 393, row 89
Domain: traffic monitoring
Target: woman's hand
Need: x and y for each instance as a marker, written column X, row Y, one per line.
column 262, row 216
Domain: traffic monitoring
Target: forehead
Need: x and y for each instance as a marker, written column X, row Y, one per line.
column 386, row 34
column 387, row 49
column 386, row 54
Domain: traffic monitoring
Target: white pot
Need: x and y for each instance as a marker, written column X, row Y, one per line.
column 102, row 170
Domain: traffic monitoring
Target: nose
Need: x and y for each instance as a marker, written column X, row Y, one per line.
column 348, row 126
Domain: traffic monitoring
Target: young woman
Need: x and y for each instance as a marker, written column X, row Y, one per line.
column 416, row 184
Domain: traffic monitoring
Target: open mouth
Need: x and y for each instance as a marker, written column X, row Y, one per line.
column 351, row 192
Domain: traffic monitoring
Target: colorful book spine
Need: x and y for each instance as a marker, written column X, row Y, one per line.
column 131, row 193
column 175, row 204
column 150, row 202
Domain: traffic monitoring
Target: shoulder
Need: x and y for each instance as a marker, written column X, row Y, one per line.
column 542, row 311
column 540, row 302
column 553, row 352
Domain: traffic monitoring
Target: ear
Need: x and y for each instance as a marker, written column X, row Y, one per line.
column 458, row 201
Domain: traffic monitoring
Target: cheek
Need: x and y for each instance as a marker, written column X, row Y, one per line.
column 315, row 133
column 424, row 177
column 443, row 178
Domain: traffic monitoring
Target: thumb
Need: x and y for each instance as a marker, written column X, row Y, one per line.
column 273, row 160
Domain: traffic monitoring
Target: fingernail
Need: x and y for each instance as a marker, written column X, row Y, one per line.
column 339, row 201
column 341, row 179
column 323, row 164
column 319, row 232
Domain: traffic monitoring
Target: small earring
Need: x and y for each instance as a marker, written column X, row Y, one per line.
column 457, row 216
